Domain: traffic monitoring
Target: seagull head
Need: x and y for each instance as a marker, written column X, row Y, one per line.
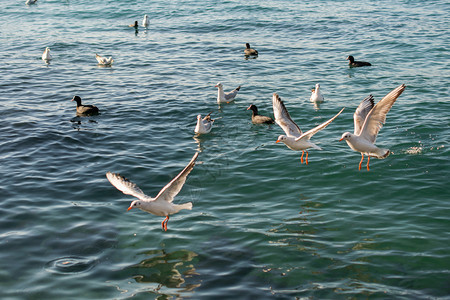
column 135, row 203
column 219, row 85
column 345, row 136
column 281, row 138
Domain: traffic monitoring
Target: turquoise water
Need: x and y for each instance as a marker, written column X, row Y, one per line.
column 263, row 226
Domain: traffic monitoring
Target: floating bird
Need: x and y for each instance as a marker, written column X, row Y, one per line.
column 145, row 21
column 257, row 118
column 135, row 25
column 162, row 204
column 353, row 63
column 46, row 56
column 30, row 2
column 85, row 109
column 250, row 51
column 204, row 125
column 223, row 97
column 295, row 139
column 368, row 120
column 103, row 60
column 316, row 95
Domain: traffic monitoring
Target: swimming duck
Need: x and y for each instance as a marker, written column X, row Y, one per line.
column 46, row 55
column 257, row 118
column 316, row 95
column 250, row 51
column 30, row 2
column 103, row 60
column 223, row 97
column 85, row 109
column 353, row 63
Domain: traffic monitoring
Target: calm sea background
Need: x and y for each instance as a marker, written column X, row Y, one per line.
column 263, row 226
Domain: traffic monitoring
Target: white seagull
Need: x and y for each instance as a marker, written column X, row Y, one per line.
column 162, row 204
column 223, row 97
column 316, row 95
column 145, row 21
column 295, row 139
column 204, row 125
column 103, row 60
column 46, row 55
column 369, row 119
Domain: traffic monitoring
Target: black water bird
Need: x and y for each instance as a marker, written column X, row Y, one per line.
column 257, row 118
column 353, row 63
column 250, row 51
column 85, row 109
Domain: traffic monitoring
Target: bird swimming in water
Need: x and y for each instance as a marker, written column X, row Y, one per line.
column 103, row 60
column 316, row 95
column 145, row 21
column 46, row 56
column 85, row 109
column 204, row 125
column 250, row 51
column 257, row 118
column 223, row 97
column 353, row 63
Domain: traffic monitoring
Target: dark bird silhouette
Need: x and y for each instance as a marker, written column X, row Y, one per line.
column 85, row 109
column 257, row 118
column 353, row 63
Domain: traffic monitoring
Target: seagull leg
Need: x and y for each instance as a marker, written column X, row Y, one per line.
column 301, row 158
column 368, row 160
column 306, row 156
column 362, row 158
column 164, row 223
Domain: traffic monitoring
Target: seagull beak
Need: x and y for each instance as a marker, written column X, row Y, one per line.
column 277, row 141
column 341, row 139
column 129, row 208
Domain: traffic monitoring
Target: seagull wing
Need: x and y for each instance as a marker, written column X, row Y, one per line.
column 174, row 187
column 361, row 113
column 232, row 94
column 377, row 116
column 125, row 186
column 283, row 119
column 316, row 129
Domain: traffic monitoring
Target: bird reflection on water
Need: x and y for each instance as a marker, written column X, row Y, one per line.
column 167, row 270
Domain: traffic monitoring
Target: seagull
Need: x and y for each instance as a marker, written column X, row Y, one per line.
column 46, row 55
column 369, row 119
column 103, row 60
column 353, row 63
column 223, row 97
column 85, row 109
column 257, row 118
column 295, row 139
column 162, row 204
column 204, row 125
column 145, row 21
column 250, row 51
column 316, row 95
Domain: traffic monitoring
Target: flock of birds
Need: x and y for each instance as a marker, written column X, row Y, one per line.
column 368, row 120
